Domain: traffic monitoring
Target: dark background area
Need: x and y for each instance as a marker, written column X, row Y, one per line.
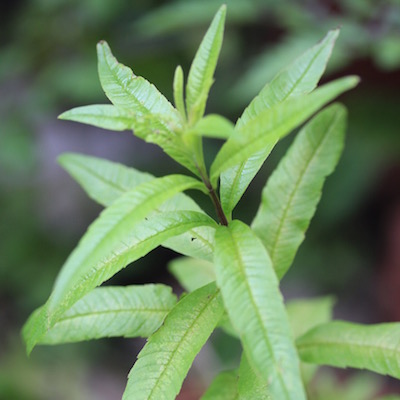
column 48, row 65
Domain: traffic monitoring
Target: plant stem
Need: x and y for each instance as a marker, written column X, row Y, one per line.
column 215, row 199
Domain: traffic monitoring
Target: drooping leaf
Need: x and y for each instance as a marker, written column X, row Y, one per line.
column 274, row 123
column 191, row 273
column 214, row 126
column 223, row 387
column 344, row 344
column 101, row 115
column 123, row 233
column 155, row 119
column 165, row 360
column 299, row 78
column 293, row 191
column 178, row 92
column 129, row 311
column 255, row 306
column 201, row 72
column 250, row 385
column 105, row 181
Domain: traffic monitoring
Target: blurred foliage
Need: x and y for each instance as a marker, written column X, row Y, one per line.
column 48, row 64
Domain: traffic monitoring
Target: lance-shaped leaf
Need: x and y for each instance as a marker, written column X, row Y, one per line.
column 202, row 69
column 178, row 92
column 223, row 387
column 274, row 123
column 299, row 78
column 130, row 311
column 255, row 306
column 214, row 126
column 250, row 385
column 155, row 120
column 123, row 233
column 166, row 358
column 105, row 181
column 344, row 344
column 191, row 273
column 101, row 115
column 290, row 198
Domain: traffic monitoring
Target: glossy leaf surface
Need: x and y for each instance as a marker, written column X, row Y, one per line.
column 166, row 358
column 345, row 344
column 290, row 198
column 254, row 304
column 129, row 311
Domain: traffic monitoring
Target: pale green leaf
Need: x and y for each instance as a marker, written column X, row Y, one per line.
column 214, row 126
column 250, row 385
column 305, row 314
column 290, row 198
column 178, row 92
column 155, row 119
column 165, row 360
column 101, row 115
column 223, row 387
column 191, row 273
column 250, row 290
column 344, row 344
column 274, row 123
column 105, row 181
column 299, row 78
column 129, row 311
column 123, row 233
column 201, row 74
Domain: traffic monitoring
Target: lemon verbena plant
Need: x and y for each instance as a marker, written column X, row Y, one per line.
column 231, row 272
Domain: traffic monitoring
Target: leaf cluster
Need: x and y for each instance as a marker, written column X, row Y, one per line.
column 231, row 270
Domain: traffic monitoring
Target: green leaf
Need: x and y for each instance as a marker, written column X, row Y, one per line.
column 166, row 358
column 155, row 120
column 129, row 311
column 290, row 198
column 255, row 306
column 344, row 344
column 178, row 92
column 214, row 126
column 191, row 273
column 305, row 314
column 202, row 69
column 101, row 115
column 105, row 181
column 273, row 124
column 250, row 385
column 299, row 78
column 223, row 387
column 123, row 233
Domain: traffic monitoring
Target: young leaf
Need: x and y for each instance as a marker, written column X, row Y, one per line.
column 101, row 115
column 166, row 358
column 129, row 311
column 123, row 233
column 344, row 344
column 214, row 126
column 299, row 78
column 272, row 124
column 223, row 387
column 192, row 274
column 254, row 304
column 202, row 69
column 250, row 385
column 105, row 181
column 178, row 92
column 293, row 191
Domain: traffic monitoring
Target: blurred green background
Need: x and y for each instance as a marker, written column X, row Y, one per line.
column 48, row 65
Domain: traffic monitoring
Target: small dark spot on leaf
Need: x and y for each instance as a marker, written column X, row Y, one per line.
column 193, row 238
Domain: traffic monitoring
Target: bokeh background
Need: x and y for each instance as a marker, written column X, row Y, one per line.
column 48, row 65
